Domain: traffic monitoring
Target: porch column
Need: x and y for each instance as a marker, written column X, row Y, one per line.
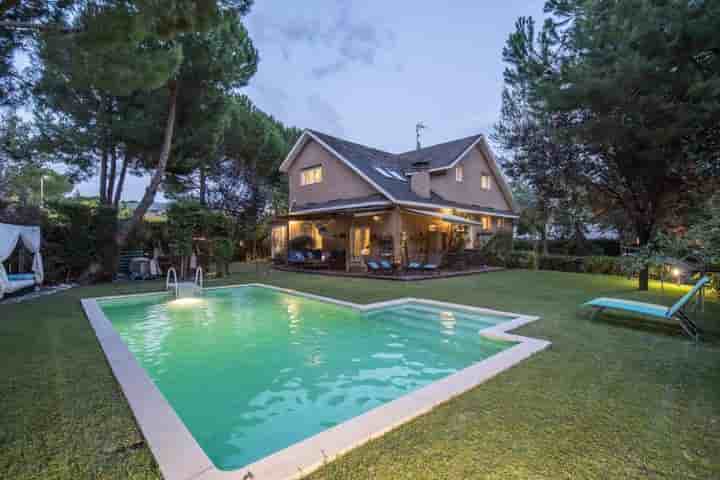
column 348, row 244
column 396, row 219
column 287, row 242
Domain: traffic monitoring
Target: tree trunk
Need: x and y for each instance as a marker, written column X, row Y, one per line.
column 111, row 177
column 149, row 195
column 103, row 175
column 644, row 235
column 121, row 182
column 203, row 187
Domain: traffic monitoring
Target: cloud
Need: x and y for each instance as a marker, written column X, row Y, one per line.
column 269, row 97
column 350, row 40
column 328, row 118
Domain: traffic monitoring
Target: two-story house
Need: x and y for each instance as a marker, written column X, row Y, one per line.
column 358, row 201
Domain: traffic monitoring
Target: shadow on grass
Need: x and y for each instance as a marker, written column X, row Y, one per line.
column 647, row 325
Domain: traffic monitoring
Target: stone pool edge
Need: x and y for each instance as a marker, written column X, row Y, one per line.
column 180, row 457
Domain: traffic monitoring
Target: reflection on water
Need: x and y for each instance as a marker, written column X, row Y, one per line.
column 251, row 371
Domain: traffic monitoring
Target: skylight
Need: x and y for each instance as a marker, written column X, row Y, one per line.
column 397, row 175
column 383, row 172
column 390, row 173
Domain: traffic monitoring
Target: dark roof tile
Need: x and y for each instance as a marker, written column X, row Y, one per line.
column 365, row 159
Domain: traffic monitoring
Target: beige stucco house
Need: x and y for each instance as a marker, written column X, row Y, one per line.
column 357, row 202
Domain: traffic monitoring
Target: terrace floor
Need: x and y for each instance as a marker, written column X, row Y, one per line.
column 403, row 276
column 609, row 399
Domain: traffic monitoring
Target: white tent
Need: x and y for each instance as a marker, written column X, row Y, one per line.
column 9, row 237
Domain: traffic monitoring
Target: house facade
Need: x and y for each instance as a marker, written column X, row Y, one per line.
column 356, row 202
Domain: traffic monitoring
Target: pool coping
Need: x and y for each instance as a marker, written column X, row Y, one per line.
column 180, row 457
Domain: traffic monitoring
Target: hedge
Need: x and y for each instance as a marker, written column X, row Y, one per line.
column 597, row 247
column 565, row 263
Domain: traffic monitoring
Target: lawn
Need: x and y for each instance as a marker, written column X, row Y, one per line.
column 607, row 400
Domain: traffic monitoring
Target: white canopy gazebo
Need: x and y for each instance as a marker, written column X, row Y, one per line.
column 10, row 235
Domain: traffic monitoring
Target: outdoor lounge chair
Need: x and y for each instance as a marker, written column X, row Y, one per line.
column 296, row 258
column 373, row 266
column 434, row 263
column 655, row 311
column 387, row 266
column 414, row 265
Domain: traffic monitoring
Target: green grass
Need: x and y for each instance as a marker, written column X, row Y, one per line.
column 607, row 400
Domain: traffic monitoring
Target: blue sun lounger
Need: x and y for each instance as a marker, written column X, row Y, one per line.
column 656, row 311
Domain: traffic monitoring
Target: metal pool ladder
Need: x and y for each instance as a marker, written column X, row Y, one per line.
column 184, row 289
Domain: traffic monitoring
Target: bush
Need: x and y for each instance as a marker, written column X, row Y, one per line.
column 496, row 251
column 593, row 264
column 223, row 251
column 303, row 242
column 521, row 259
column 597, row 247
column 604, row 265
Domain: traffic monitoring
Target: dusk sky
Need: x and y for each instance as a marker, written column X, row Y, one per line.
column 369, row 71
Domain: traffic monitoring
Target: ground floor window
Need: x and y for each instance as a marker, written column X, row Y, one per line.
column 279, row 241
column 360, row 242
column 307, row 229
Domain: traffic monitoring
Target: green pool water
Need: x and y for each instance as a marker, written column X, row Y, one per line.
column 251, row 370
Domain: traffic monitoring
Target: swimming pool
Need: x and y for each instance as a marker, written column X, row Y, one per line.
column 253, row 371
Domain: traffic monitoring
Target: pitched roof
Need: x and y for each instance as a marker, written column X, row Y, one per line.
column 364, row 161
column 369, row 201
column 440, row 155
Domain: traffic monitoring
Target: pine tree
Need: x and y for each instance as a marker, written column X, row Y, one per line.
column 637, row 85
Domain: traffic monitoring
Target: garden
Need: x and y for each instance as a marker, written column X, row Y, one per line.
column 133, row 144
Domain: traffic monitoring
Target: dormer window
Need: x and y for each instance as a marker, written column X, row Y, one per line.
column 485, row 182
column 311, row 175
column 459, row 173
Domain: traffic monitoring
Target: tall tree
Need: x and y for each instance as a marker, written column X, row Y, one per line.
column 245, row 183
column 638, row 85
column 527, row 130
column 133, row 49
column 20, row 23
column 218, row 63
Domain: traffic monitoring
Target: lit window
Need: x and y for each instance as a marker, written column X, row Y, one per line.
column 311, row 175
column 486, row 223
column 459, row 174
column 485, row 182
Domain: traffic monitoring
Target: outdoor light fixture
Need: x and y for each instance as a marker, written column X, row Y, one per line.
column 186, row 302
column 676, row 272
column 376, row 218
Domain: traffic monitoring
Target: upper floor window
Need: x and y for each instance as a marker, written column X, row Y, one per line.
column 459, row 173
column 485, row 182
column 311, row 175
column 486, row 223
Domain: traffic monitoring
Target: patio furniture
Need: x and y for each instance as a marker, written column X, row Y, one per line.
column 434, row 262
column 296, row 257
column 140, row 268
column 676, row 312
column 373, row 266
column 10, row 235
column 387, row 266
column 414, row 265
column 124, row 260
column 315, row 259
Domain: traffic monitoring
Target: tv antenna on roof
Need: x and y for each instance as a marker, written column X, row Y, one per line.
column 419, row 127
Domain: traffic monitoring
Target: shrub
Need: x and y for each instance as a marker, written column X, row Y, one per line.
column 303, row 242
column 497, row 249
column 521, row 259
column 223, row 251
column 604, row 265
column 597, row 247
column 592, row 264
column 562, row 263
